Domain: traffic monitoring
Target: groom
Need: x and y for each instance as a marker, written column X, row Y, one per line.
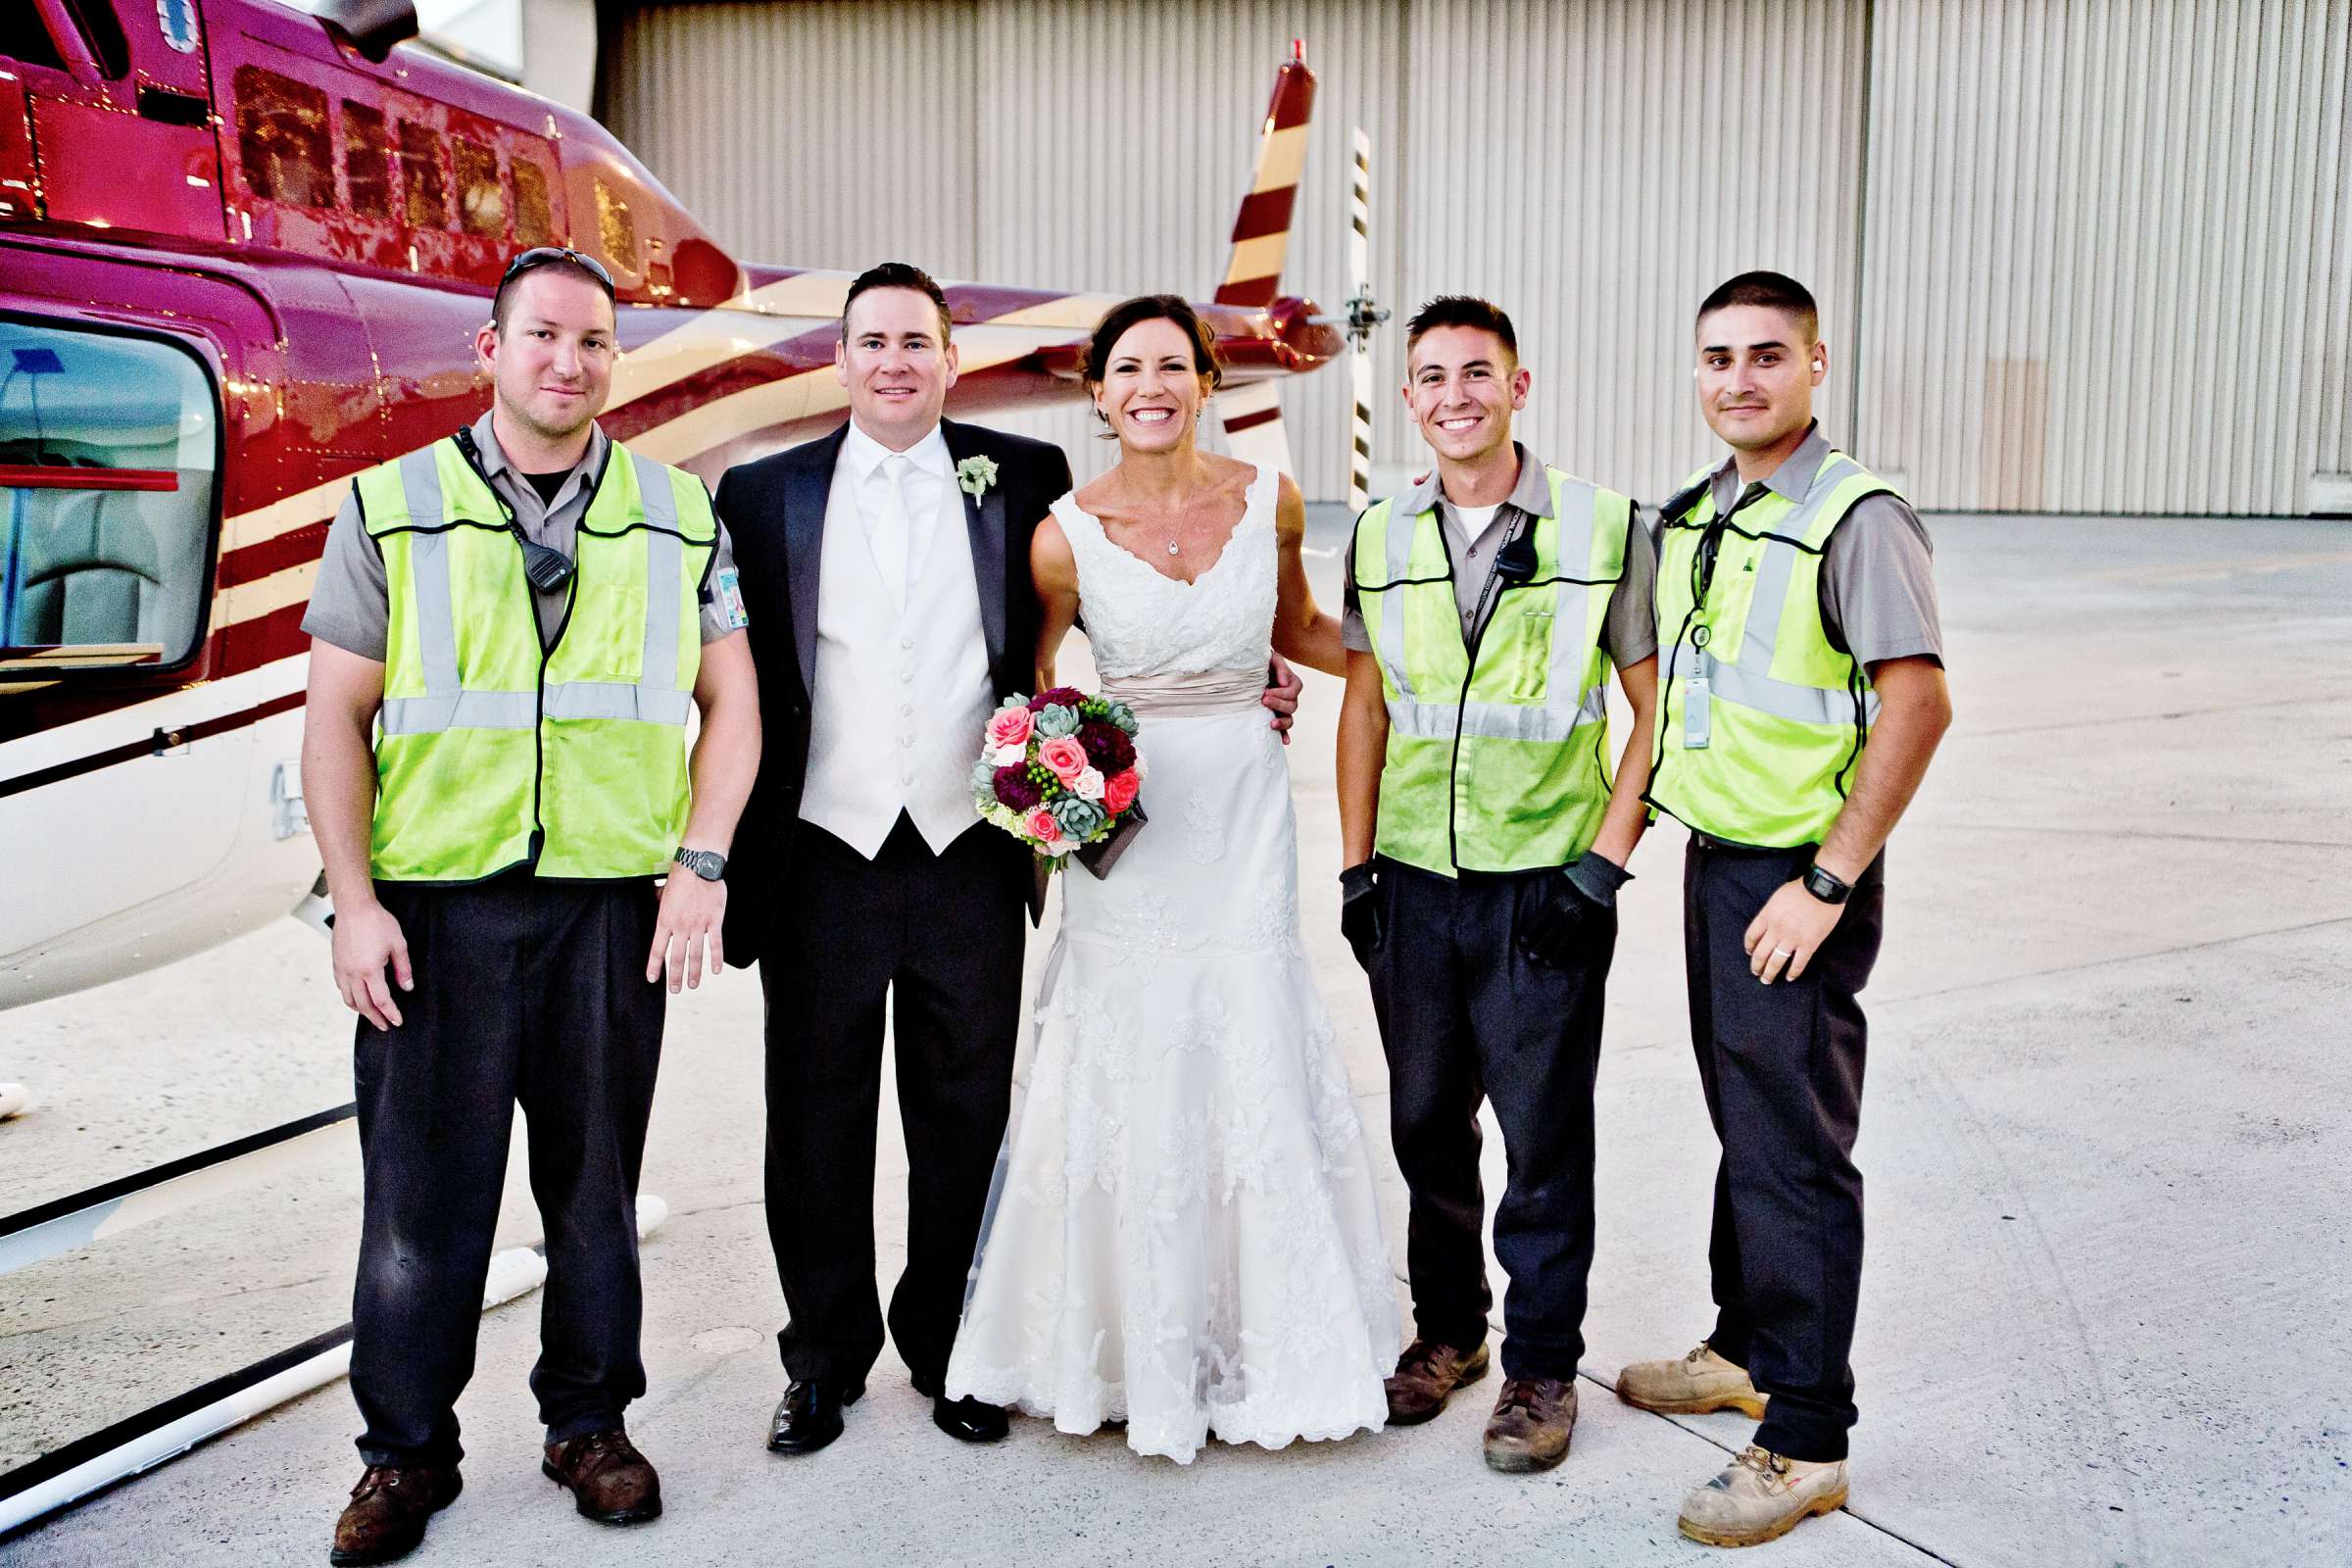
column 890, row 561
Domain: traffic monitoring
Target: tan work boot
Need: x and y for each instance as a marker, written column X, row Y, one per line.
column 1691, row 1385
column 1426, row 1373
column 1533, row 1420
column 1761, row 1496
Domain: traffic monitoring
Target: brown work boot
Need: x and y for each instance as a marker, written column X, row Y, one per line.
column 1533, row 1419
column 611, row 1481
column 385, row 1518
column 1424, row 1375
column 1691, row 1385
column 1760, row 1497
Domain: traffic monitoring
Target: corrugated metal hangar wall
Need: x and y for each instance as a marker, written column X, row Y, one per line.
column 2072, row 255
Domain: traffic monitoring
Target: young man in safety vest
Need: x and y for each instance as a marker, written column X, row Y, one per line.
column 1803, row 679
column 1484, row 845
column 529, row 612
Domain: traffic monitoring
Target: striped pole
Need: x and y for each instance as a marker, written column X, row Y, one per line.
column 1360, row 360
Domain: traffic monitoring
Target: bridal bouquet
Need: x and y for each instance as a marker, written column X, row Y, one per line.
column 1060, row 772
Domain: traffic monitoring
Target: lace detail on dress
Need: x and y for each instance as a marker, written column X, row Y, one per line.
column 1139, row 621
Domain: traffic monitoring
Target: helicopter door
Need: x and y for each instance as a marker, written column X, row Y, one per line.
column 113, row 796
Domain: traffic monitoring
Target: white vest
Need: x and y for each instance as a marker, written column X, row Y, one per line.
column 899, row 699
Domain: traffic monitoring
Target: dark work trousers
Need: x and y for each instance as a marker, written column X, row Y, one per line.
column 1466, row 1015
column 527, row 991
column 1782, row 1068
column 941, row 936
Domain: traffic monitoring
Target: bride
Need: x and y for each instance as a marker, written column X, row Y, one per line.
column 1183, row 1233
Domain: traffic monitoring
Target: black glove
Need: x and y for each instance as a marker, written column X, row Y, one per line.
column 1359, row 911
column 1569, row 907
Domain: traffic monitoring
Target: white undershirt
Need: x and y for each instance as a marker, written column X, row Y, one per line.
column 1476, row 521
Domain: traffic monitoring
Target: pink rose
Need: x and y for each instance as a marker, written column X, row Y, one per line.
column 1040, row 826
column 1064, row 756
column 1009, row 727
column 1118, row 791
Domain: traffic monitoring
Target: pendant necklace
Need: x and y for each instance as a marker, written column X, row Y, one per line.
column 1171, row 547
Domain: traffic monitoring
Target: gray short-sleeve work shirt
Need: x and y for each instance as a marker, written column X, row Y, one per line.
column 1631, row 633
column 1877, row 575
column 351, row 604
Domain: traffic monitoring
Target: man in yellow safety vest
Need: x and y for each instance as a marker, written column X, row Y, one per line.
column 1485, row 843
column 510, row 629
column 1801, row 696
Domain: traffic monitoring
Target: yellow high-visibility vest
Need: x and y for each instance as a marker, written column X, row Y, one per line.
column 1502, row 766
column 1761, row 719
column 495, row 750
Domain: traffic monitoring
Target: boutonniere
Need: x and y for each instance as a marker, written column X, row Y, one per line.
column 973, row 475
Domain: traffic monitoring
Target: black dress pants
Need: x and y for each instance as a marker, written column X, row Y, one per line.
column 1782, row 1070
column 1466, row 1015
column 939, row 935
column 527, row 991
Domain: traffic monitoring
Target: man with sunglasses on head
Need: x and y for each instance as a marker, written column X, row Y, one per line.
column 1484, row 842
column 511, row 628
column 1802, row 695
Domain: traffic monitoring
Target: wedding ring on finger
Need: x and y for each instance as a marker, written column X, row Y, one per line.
column 1784, row 953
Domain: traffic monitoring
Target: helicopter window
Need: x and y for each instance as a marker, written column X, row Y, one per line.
column 282, row 140
column 103, row 34
column 366, row 161
column 482, row 196
column 421, row 176
column 109, row 452
column 534, row 220
column 615, row 228
column 23, row 37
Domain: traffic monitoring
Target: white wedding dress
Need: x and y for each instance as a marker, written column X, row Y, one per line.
column 1184, row 1232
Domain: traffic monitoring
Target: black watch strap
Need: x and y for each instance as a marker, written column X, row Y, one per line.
column 708, row 864
column 1826, row 886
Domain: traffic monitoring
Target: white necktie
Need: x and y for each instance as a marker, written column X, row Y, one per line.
column 892, row 545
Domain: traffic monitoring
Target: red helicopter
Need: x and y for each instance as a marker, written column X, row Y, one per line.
column 243, row 250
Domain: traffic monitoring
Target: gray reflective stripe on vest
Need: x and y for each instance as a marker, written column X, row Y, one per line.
column 1390, row 641
column 430, row 716
column 1572, row 610
column 584, row 699
column 421, row 485
column 664, row 563
column 428, row 577
column 1771, row 594
column 1499, row 721
column 1739, row 685
column 589, row 699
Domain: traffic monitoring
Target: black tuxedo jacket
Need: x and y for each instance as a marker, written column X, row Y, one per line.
column 774, row 510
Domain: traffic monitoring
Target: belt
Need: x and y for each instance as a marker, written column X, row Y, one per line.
column 1194, row 696
column 1713, row 845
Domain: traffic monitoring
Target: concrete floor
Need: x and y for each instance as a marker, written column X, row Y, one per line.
column 2105, row 1137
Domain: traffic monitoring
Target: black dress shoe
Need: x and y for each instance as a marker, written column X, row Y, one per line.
column 970, row 1420
column 809, row 1416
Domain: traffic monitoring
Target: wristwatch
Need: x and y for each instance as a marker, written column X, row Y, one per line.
column 1826, row 886
column 708, row 864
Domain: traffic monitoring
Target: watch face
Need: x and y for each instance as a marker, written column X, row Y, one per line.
column 707, row 865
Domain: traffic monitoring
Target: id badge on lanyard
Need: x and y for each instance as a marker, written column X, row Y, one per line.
column 1698, row 708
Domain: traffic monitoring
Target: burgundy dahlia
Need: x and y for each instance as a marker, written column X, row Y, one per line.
column 1067, row 696
column 1107, row 747
column 1014, row 789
